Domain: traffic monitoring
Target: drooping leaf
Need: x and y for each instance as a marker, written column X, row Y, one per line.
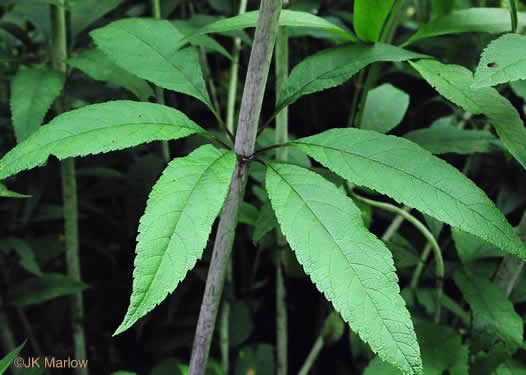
column 6, row 193
column 384, row 109
column 404, row 254
column 471, row 248
column 98, row 128
column 37, row 13
column 32, row 93
column 265, row 222
column 287, row 18
column 43, row 288
column 484, row 20
column 175, row 227
column 241, row 323
column 248, row 214
column 6, row 361
column 494, row 317
column 454, row 83
column 100, row 67
column 448, row 139
column 369, row 18
column 344, row 260
column 86, row 12
column 136, row 45
column 334, row 66
column 503, row 60
column 413, row 176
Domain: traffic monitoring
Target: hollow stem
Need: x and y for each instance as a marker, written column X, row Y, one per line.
column 250, row 111
column 429, row 237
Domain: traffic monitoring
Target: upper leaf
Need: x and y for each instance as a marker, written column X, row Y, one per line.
column 286, row 18
column 175, row 227
column 493, row 314
column 32, row 93
column 503, row 60
column 484, row 20
column 347, row 263
column 413, row 176
column 369, row 18
column 454, row 82
column 384, row 108
column 98, row 66
column 140, row 46
column 333, row 66
column 98, row 128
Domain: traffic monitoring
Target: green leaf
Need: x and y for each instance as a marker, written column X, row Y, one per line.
column 44, row 288
column 32, row 93
column 503, row 60
column 25, row 254
column 258, row 360
column 98, row 128
column 6, row 193
column 100, row 67
column 175, row 227
column 334, row 66
column 413, row 176
column 345, row 261
column 37, row 13
column 287, row 18
column 6, row 361
column 440, row 7
column 483, row 20
column 454, row 83
column 442, row 139
column 471, row 248
column 369, row 18
column 494, row 317
column 265, row 223
column 519, row 88
column 511, row 367
column 384, row 109
column 404, row 254
column 86, row 12
column 442, row 349
column 136, row 45
column 185, row 27
column 241, row 323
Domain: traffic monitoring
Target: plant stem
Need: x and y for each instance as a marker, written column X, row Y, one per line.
column 234, row 74
column 250, row 111
column 159, row 92
column 395, row 224
column 282, row 137
column 311, row 358
column 69, row 193
column 429, row 237
column 224, row 328
column 511, row 266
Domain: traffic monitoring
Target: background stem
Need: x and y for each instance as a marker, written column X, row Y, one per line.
column 250, row 111
column 282, row 137
column 159, row 92
column 311, row 358
column 7, row 339
column 69, row 193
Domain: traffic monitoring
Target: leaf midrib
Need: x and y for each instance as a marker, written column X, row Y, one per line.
column 350, row 263
column 405, row 173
